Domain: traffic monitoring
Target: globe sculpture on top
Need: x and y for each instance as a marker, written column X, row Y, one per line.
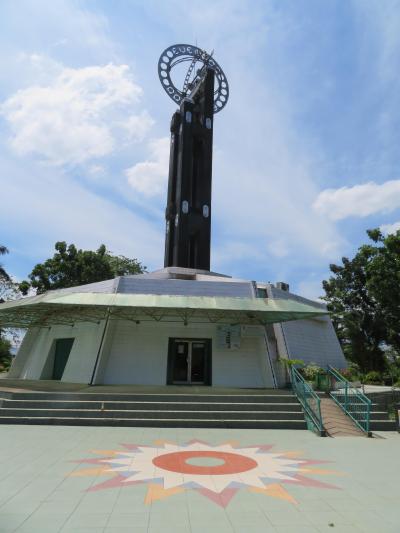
column 182, row 66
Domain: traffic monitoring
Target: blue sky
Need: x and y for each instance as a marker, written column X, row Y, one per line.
column 306, row 151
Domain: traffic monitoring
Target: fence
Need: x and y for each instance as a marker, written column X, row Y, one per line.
column 309, row 400
column 352, row 401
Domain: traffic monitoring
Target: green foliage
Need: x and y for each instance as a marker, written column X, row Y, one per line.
column 5, row 354
column 70, row 267
column 363, row 296
column 352, row 373
column 372, row 378
column 392, row 373
column 288, row 363
column 311, row 371
column 3, row 274
column 383, row 282
column 8, row 289
column 121, row 265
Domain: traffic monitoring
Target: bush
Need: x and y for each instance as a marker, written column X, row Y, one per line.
column 288, row 363
column 5, row 355
column 352, row 373
column 311, row 371
column 373, row 378
column 347, row 373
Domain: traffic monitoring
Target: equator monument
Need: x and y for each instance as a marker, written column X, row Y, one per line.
column 183, row 324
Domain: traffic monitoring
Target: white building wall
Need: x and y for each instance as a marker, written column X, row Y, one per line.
column 84, row 352
column 139, row 355
column 34, row 359
column 40, row 346
column 23, row 353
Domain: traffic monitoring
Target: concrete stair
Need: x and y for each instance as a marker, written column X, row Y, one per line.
column 264, row 409
column 380, row 421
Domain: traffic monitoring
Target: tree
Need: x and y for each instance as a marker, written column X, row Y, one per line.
column 360, row 304
column 5, row 354
column 70, row 267
column 7, row 291
column 383, row 281
column 3, row 273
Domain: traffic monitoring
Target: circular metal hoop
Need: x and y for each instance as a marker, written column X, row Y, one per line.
column 179, row 53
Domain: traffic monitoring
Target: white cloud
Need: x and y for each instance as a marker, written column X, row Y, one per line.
column 52, row 207
column 74, row 117
column 278, row 248
column 137, row 126
column 310, row 289
column 222, row 255
column 390, row 228
column 150, row 177
column 359, row 200
column 382, row 20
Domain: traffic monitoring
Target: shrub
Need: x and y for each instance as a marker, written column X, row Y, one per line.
column 311, row 371
column 288, row 363
column 352, row 373
column 5, row 354
column 373, row 378
column 347, row 373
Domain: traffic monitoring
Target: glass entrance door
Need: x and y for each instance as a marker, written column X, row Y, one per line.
column 189, row 358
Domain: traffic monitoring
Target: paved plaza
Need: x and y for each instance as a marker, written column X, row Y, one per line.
column 137, row 480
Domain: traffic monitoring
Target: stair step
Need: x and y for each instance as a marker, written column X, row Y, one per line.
column 378, row 415
column 262, row 409
column 136, row 414
column 382, row 425
column 198, row 406
column 202, row 398
column 160, row 422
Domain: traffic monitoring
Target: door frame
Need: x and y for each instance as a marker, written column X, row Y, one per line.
column 207, row 360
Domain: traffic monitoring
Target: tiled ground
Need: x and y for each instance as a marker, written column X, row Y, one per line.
column 37, row 494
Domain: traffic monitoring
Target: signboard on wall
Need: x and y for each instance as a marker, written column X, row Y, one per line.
column 253, row 331
column 228, row 337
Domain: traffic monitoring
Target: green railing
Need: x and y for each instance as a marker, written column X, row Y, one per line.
column 352, row 401
column 309, row 400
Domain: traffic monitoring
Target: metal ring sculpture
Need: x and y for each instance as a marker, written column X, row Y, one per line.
column 179, row 53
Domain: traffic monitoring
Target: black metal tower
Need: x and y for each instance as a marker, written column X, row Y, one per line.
column 188, row 212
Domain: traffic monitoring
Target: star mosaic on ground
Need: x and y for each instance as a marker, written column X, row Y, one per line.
column 217, row 472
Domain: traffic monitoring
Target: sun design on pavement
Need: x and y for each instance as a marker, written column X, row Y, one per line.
column 217, row 472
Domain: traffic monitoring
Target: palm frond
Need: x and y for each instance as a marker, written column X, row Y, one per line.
column 4, row 275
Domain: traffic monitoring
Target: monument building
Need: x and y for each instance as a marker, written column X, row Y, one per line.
column 183, row 324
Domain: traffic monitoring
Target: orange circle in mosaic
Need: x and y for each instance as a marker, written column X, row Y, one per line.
column 177, row 462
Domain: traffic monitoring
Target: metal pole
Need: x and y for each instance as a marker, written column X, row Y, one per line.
column 100, row 347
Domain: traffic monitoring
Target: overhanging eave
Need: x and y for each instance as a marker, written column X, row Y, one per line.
column 51, row 309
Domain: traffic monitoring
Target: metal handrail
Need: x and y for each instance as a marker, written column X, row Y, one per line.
column 353, row 402
column 309, row 400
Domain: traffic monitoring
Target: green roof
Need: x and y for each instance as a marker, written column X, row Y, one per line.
column 60, row 307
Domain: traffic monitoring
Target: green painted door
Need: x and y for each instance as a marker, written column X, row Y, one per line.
column 61, row 354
